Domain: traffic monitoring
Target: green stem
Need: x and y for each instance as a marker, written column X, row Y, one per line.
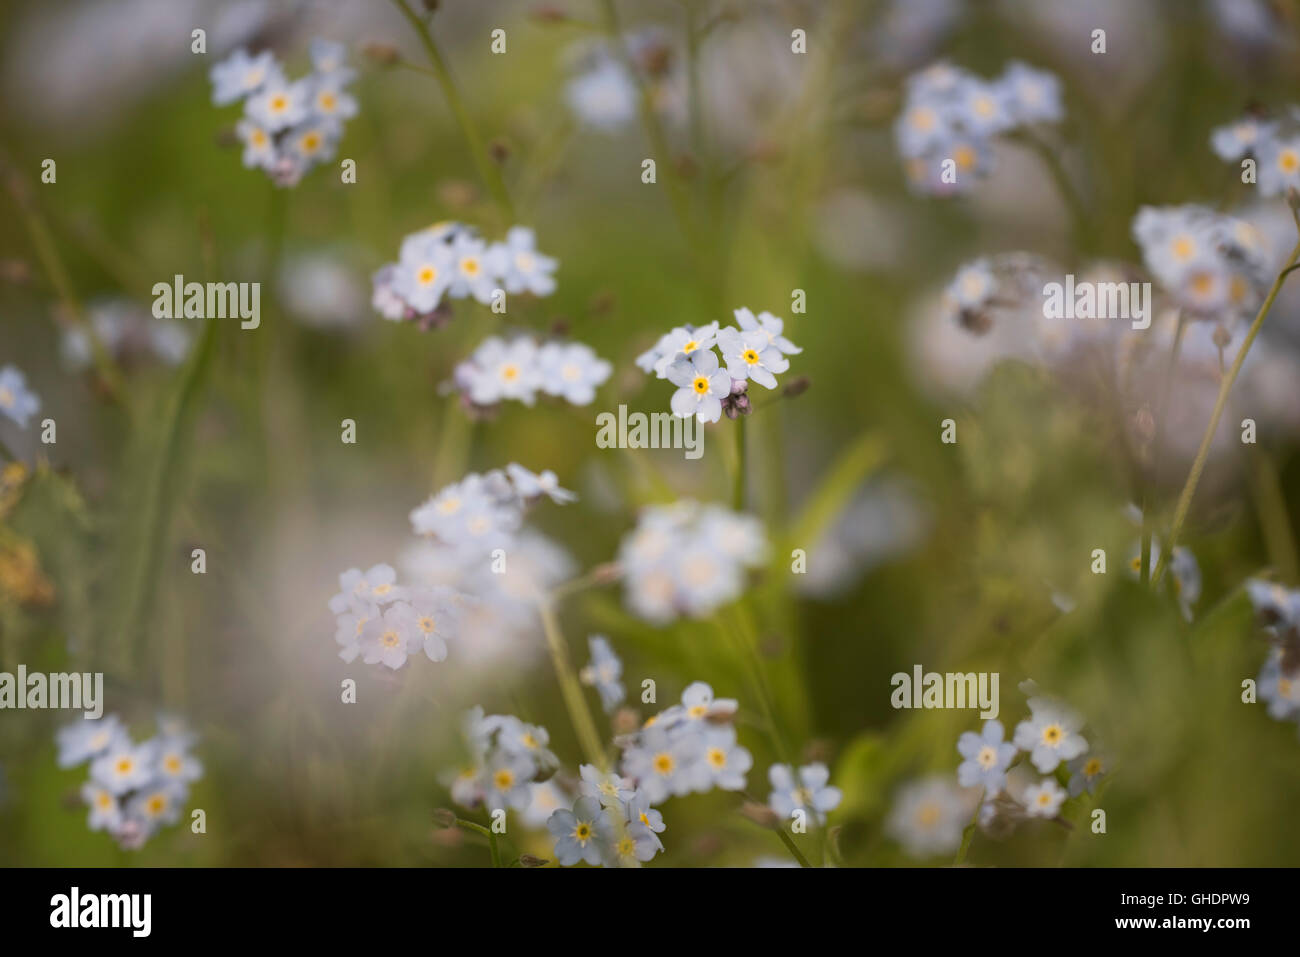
column 738, row 486
column 1202, row 454
column 1275, row 523
column 792, row 847
column 579, row 714
column 968, row 837
column 488, row 171
column 493, row 848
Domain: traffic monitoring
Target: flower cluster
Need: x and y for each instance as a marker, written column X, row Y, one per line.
column 688, row 748
column 753, row 350
column 1274, row 145
column 482, row 512
column 688, row 559
column 129, row 334
column 603, row 673
column 951, row 114
column 450, row 261
column 1049, row 738
column 386, row 622
column 17, row 401
column 1214, row 266
column 506, row 759
column 602, row 91
column 288, row 126
column 804, row 792
column 134, row 789
column 519, row 368
column 611, row 825
column 1278, row 612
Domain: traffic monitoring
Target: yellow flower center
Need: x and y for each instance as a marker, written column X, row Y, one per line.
column 1092, row 768
column 987, row 757
column 157, row 804
column 717, row 757
column 700, row 385
column 698, row 711
column 173, row 764
column 427, row 624
column 327, row 102
column 469, row 266
column 427, row 275
column 310, row 143
column 750, row 356
column 663, row 763
column 449, row 505
column 964, row 157
column 690, row 347
column 1288, row 161
column 279, row 103
column 1183, row 247
column 124, row 765
column 923, row 119
column 504, row 779
column 258, row 138
column 390, row 639
column 6, row 397
column 510, row 372
column 928, row 815
column 1052, row 734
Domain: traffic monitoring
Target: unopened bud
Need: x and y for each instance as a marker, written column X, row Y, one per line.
column 444, row 817
column 760, row 814
column 527, row 860
column 798, row 387
column 384, row 54
column 500, row 150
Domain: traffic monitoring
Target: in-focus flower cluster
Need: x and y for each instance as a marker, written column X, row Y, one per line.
column 951, row 114
column 17, row 401
column 519, row 368
column 450, row 261
column 755, row 349
column 929, row 815
column 687, row 748
column 1214, row 266
column 288, row 126
column 385, row 622
column 1277, row 610
column 687, row 559
column 134, row 789
column 507, row 757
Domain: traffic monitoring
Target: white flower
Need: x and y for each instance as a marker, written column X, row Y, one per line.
column 432, row 615
column 571, row 371
column 329, row 59
column 390, row 638
column 17, row 402
column 701, row 385
column 378, row 584
column 661, row 764
column 682, row 340
column 424, row 271
column 123, row 767
column 724, row 762
column 610, row 789
column 471, row 272
column 530, row 485
column 987, row 758
column 259, row 147
column 1050, row 735
column 1235, row 141
column 105, row 811
column 503, row 370
column 603, row 673
column 279, row 103
column 1034, row 95
column 809, row 792
column 1044, row 799
column 241, row 74
column 750, row 355
column 604, row 97
column 771, row 326
column 928, row 817
column 584, row 834
column 89, row 738
column 521, row 266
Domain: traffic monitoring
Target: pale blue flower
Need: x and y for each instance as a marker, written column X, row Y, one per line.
column 17, row 402
column 928, row 817
column 506, row 781
column 1244, row 137
column 773, row 327
column 424, row 272
column 809, row 792
column 279, row 103
column 634, row 846
column 584, row 834
column 329, row 59
column 750, row 355
column 432, row 616
column 89, row 738
column 987, row 758
column 662, row 764
column 724, row 762
column 241, row 74
column 521, row 267
column 1050, row 735
column 105, row 811
column 471, row 272
column 603, row 673
column 612, row 790
column 639, row 811
column 1085, row 771
column 390, row 638
column 1034, row 96
column 604, row 97
column 701, row 385
column 571, row 371
column 1044, row 799
column 124, row 766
